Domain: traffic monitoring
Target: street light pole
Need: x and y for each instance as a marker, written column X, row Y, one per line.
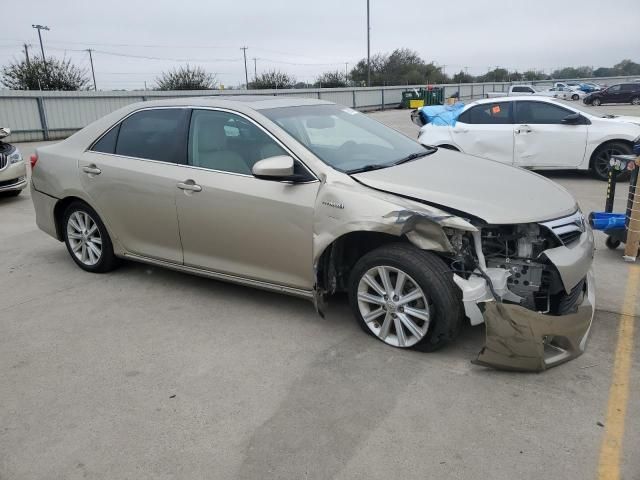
column 368, row 48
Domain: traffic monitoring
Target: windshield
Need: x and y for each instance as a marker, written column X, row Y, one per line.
column 345, row 139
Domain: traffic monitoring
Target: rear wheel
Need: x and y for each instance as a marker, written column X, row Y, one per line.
column 596, row 102
column 406, row 297
column 87, row 239
column 635, row 101
column 575, row 96
column 602, row 155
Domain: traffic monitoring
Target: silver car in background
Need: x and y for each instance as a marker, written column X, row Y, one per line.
column 13, row 169
column 311, row 198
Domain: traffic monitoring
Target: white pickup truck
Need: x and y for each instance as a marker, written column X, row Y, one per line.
column 513, row 90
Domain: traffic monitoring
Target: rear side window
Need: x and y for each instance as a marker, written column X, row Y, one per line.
column 158, row 134
column 522, row 90
column 497, row 113
column 540, row 112
column 107, row 144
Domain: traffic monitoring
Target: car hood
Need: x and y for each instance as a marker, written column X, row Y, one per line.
column 491, row 191
column 622, row 118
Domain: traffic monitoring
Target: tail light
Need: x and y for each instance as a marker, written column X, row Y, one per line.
column 34, row 160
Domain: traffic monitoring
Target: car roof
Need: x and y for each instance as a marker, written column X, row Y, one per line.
column 513, row 98
column 255, row 102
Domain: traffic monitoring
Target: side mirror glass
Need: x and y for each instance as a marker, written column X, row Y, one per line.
column 572, row 119
column 274, row 168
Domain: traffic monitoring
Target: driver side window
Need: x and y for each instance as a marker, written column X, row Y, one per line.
column 540, row 113
column 226, row 142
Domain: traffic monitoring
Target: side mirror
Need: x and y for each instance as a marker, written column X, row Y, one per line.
column 572, row 119
column 274, row 168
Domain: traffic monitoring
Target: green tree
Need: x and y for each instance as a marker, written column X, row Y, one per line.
column 186, row 78
column 53, row 74
column 400, row 67
column 273, row 79
column 627, row 67
column 462, row 77
column 573, row 72
column 331, row 80
column 496, row 75
column 531, row 75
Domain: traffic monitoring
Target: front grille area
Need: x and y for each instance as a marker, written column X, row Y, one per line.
column 568, row 229
column 4, row 159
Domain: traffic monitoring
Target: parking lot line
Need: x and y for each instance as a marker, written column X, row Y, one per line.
column 611, row 449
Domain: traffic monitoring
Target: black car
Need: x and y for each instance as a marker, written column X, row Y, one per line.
column 621, row 93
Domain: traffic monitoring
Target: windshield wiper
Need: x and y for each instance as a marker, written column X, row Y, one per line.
column 367, row 168
column 413, row 156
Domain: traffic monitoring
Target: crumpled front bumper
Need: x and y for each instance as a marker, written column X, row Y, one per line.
column 524, row 340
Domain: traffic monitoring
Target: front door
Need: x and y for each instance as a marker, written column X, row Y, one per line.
column 486, row 131
column 542, row 140
column 234, row 223
column 130, row 174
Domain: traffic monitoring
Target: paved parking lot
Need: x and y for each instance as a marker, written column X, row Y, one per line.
column 149, row 373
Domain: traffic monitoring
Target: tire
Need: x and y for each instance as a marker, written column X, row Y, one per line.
column 436, row 312
column 596, row 102
column 612, row 244
column 601, row 156
column 83, row 241
column 635, row 101
column 575, row 97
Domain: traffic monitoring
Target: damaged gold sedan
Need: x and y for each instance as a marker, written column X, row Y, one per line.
column 310, row 198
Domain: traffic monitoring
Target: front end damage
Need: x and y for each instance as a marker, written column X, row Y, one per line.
column 532, row 286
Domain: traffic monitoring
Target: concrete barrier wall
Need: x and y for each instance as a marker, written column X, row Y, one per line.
column 36, row 115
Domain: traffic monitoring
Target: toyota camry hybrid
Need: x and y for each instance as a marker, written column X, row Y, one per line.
column 311, row 198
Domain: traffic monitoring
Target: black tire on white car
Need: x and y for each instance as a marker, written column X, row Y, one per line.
column 602, row 155
column 406, row 297
column 575, row 96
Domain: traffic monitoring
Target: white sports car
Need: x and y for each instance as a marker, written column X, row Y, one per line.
column 535, row 133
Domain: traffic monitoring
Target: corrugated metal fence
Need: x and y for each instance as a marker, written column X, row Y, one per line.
column 37, row 115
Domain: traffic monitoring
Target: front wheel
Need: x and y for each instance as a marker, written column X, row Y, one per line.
column 575, row 96
column 87, row 239
column 596, row 102
column 602, row 156
column 406, row 297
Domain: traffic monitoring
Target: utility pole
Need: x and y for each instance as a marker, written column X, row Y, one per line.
column 255, row 69
column 368, row 48
column 93, row 73
column 246, row 75
column 44, row 61
column 26, row 54
column 41, row 27
column 346, row 70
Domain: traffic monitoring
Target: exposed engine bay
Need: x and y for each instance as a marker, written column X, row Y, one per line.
column 507, row 263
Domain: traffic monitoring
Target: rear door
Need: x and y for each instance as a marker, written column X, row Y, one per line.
column 130, row 174
column 542, row 140
column 485, row 130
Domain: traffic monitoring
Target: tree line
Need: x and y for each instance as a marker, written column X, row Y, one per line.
column 400, row 67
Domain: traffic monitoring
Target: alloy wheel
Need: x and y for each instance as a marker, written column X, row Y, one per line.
column 596, row 102
column 393, row 306
column 84, row 238
column 635, row 101
column 601, row 162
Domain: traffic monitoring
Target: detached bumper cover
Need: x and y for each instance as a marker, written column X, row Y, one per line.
column 524, row 340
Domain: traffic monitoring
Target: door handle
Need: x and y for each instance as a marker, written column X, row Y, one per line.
column 523, row 129
column 91, row 170
column 461, row 130
column 190, row 186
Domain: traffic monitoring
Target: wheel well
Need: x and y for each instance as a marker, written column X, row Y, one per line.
column 339, row 258
column 593, row 155
column 449, row 147
column 58, row 212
